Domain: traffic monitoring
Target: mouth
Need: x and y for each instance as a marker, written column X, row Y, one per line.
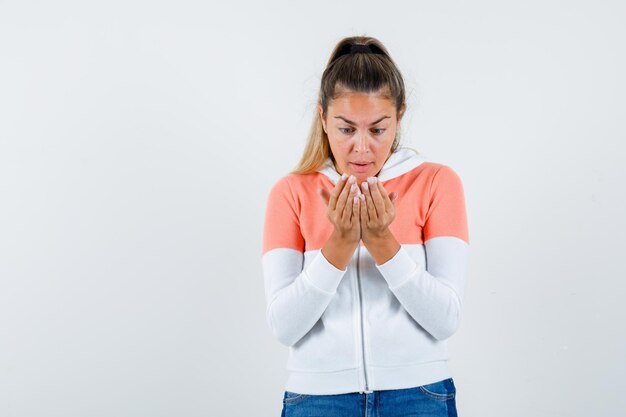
column 360, row 167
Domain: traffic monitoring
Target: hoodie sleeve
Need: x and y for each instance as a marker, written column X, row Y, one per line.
column 432, row 294
column 296, row 296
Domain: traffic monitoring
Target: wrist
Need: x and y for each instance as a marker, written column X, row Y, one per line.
column 338, row 250
column 382, row 236
column 382, row 247
column 344, row 239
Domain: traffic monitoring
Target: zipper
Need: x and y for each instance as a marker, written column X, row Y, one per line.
column 358, row 277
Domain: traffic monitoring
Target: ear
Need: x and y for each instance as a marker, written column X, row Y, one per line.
column 321, row 112
column 401, row 112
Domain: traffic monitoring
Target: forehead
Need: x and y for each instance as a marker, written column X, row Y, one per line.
column 350, row 103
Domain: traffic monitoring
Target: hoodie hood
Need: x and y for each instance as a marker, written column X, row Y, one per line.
column 400, row 162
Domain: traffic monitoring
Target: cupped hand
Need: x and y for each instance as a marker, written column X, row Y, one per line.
column 378, row 211
column 343, row 208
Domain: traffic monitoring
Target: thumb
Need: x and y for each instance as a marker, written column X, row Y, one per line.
column 324, row 194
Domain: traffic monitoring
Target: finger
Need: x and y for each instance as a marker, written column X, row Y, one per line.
column 371, row 209
column 347, row 211
column 343, row 198
column 363, row 214
column 387, row 204
column 377, row 196
column 355, row 210
column 334, row 195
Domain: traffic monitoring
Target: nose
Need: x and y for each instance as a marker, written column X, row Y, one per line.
column 362, row 143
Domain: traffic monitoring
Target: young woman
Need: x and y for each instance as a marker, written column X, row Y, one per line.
column 365, row 254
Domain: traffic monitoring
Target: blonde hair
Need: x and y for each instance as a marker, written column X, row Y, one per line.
column 358, row 72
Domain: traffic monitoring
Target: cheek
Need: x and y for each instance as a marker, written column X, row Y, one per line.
column 338, row 150
column 339, row 146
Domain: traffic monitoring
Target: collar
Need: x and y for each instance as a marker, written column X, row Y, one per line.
column 400, row 162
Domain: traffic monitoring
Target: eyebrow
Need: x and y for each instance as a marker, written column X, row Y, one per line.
column 352, row 123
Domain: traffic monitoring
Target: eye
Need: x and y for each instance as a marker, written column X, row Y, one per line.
column 347, row 130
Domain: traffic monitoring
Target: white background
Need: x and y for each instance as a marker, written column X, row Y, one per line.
column 138, row 143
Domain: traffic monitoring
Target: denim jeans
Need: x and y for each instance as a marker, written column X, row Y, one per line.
column 430, row 400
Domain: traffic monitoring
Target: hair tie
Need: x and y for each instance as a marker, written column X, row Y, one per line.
column 360, row 48
column 352, row 48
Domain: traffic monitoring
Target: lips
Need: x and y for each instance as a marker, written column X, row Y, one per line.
column 361, row 167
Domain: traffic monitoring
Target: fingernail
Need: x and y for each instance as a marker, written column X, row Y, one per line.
column 344, row 176
column 365, row 186
column 353, row 188
column 371, row 180
column 352, row 179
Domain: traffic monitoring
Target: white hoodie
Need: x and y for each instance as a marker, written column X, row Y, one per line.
column 368, row 327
